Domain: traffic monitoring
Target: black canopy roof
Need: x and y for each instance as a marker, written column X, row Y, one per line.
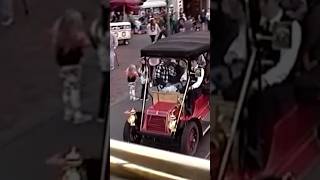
column 181, row 45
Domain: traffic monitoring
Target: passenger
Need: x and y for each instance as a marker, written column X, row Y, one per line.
column 196, row 78
column 174, row 71
column 161, row 75
column 183, row 78
column 277, row 67
column 174, row 75
column 153, row 62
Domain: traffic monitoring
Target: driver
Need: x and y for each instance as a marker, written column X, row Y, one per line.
column 196, row 79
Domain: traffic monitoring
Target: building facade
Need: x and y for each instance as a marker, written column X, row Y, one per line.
column 194, row 7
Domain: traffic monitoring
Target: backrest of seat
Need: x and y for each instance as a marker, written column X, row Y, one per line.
column 170, row 97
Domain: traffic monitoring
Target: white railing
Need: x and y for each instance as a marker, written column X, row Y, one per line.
column 139, row 162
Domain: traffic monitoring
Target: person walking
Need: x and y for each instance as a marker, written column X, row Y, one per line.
column 203, row 19
column 6, row 12
column 99, row 36
column 69, row 41
column 181, row 25
column 113, row 46
column 153, row 30
column 132, row 75
column 163, row 28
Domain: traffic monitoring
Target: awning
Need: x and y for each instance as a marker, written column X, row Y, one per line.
column 154, row 4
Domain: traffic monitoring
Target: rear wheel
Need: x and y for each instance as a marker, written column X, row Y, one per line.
column 130, row 134
column 190, row 139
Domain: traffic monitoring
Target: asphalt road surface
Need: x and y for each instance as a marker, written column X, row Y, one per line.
column 119, row 92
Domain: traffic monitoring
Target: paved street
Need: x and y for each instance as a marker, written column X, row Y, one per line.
column 119, row 91
column 127, row 54
column 31, row 125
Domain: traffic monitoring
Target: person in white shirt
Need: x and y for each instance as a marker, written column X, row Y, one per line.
column 276, row 96
column 196, row 79
column 113, row 47
column 153, row 30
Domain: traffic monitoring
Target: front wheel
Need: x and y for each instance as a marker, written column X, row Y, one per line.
column 190, row 139
column 130, row 134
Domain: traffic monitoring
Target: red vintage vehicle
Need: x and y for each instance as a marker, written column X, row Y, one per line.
column 164, row 119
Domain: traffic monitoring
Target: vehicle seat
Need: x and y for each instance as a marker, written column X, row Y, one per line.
column 169, row 97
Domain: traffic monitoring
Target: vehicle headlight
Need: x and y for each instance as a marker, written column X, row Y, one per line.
column 132, row 119
column 123, row 34
column 172, row 125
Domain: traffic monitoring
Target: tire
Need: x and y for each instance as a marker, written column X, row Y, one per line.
column 130, row 134
column 190, row 139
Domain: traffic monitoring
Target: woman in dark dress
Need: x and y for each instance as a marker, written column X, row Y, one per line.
column 69, row 42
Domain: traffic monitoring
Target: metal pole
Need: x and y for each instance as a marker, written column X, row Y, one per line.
column 236, row 116
column 182, row 103
column 106, row 146
column 106, row 153
column 145, row 92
